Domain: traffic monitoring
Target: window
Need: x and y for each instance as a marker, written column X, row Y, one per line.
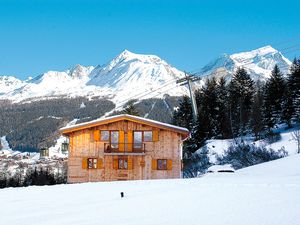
column 137, row 139
column 123, row 163
column 104, row 135
column 92, row 163
column 114, row 139
column 147, row 136
column 162, row 164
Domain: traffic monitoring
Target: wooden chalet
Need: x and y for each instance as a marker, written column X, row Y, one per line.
column 124, row 147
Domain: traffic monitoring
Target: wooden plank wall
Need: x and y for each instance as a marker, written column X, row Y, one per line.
column 82, row 146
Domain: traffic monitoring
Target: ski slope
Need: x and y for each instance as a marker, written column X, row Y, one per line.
column 265, row 194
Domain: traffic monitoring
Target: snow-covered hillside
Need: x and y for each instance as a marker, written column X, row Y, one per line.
column 264, row 194
column 127, row 76
column 137, row 76
column 9, row 83
column 259, row 63
column 286, row 142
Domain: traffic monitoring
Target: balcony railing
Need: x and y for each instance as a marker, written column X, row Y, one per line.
column 124, row 148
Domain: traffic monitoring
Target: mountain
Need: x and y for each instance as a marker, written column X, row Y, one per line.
column 136, row 76
column 127, row 76
column 259, row 63
column 9, row 83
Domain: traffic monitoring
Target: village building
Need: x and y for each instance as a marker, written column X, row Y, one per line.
column 124, row 147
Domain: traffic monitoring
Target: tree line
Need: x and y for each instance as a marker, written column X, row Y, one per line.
column 241, row 107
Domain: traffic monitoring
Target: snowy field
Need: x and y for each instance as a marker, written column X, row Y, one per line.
column 265, row 194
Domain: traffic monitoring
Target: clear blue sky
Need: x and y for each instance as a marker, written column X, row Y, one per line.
column 41, row 35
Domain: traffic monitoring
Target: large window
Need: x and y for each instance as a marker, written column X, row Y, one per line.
column 137, row 139
column 147, row 136
column 123, row 163
column 162, row 164
column 104, row 135
column 92, row 163
column 114, row 139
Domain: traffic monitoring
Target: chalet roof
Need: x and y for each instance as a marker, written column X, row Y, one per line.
column 137, row 119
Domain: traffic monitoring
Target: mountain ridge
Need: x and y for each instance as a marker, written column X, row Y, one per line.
column 130, row 74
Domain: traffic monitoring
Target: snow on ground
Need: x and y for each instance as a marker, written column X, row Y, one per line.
column 263, row 194
column 4, row 144
column 217, row 147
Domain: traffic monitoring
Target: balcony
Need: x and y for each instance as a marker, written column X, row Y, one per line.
column 124, row 148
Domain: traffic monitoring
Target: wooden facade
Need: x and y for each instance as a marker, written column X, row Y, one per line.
column 124, row 147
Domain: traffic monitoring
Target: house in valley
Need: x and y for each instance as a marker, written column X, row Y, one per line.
column 124, row 147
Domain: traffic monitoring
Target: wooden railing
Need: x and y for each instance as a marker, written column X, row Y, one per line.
column 125, row 148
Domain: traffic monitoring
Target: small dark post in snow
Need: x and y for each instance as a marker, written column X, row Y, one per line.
column 122, row 194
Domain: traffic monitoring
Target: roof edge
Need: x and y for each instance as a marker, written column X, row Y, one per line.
column 80, row 126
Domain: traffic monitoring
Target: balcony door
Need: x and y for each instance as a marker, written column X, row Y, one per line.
column 114, row 139
column 137, row 140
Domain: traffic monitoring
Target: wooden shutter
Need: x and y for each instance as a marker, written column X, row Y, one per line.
column 99, row 163
column 130, row 163
column 155, row 135
column 169, row 164
column 84, row 163
column 121, row 140
column 154, row 164
column 96, row 135
column 130, row 140
column 115, row 163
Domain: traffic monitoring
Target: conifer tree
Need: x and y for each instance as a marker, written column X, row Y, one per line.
column 223, row 124
column 131, row 109
column 257, row 111
column 294, row 89
column 241, row 93
column 183, row 115
column 274, row 97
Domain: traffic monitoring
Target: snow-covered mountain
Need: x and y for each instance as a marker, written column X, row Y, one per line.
column 259, row 63
column 9, row 83
column 127, row 76
column 136, row 76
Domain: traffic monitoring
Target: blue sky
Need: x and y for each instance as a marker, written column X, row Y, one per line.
column 41, row 35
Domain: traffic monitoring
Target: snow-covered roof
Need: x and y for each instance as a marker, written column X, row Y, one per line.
column 93, row 123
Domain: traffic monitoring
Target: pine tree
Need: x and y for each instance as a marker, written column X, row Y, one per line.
column 223, row 124
column 294, row 90
column 257, row 111
column 183, row 115
column 131, row 109
column 241, row 93
column 209, row 108
column 274, row 98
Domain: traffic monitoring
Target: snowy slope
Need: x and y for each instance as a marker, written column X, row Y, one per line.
column 9, row 83
column 264, row 194
column 217, row 147
column 127, row 76
column 259, row 63
column 137, row 76
column 130, row 74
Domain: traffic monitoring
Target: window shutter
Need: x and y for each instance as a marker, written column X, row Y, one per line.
column 169, row 164
column 154, row 164
column 130, row 140
column 97, row 135
column 115, row 162
column 155, row 135
column 84, row 163
column 121, row 140
column 99, row 163
column 130, row 163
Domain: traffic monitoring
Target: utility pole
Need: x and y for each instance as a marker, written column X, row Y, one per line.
column 188, row 79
